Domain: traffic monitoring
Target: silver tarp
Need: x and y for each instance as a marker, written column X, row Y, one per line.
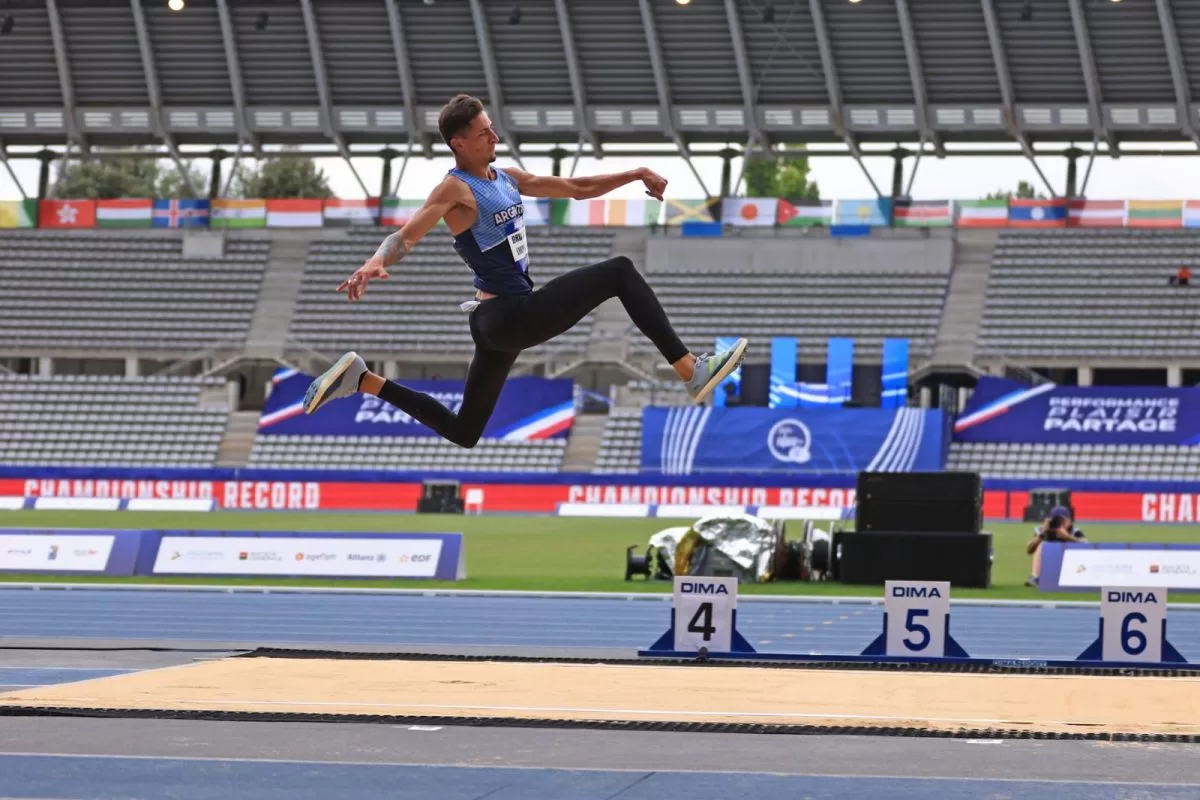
column 733, row 544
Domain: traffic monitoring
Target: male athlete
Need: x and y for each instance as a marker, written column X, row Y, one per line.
column 482, row 207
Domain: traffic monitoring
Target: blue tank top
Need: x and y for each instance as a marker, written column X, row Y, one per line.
column 495, row 247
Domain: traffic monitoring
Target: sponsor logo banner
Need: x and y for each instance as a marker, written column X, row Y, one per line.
column 343, row 556
column 529, row 408
column 1095, row 566
column 35, row 552
column 695, row 440
column 1002, row 410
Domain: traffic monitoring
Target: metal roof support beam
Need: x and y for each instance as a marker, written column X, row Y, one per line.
column 318, row 59
column 1183, row 95
column 1000, row 59
column 492, row 73
column 913, row 56
column 8, row 168
column 733, row 18
column 833, row 87
column 1091, row 78
column 235, row 81
column 658, row 64
column 575, row 74
column 155, row 92
column 407, row 84
column 64, row 77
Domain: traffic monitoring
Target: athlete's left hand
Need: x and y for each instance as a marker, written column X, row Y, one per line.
column 656, row 185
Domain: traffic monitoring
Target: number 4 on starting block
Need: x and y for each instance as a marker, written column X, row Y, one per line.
column 1133, row 628
column 916, row 622
column 703, row 617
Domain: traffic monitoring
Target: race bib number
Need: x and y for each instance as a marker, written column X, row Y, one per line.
column 519, row 245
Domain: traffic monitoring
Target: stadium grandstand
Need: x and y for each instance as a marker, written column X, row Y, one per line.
column 234, row 559
column 238, row 289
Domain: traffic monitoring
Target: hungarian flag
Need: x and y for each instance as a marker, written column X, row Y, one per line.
column 805, row 213
column 983, row 213
column 396, row 211
column 922, row 214
column 294, row 213
column 67, row 214
column 18, row 213
column 339, row 213
column 749, row 211
column 135, row 213
column 1096, row 213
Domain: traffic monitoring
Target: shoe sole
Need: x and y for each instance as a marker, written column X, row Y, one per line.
column 332, row 378
column 738, row 352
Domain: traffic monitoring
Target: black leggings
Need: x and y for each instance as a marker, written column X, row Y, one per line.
column 504, row 326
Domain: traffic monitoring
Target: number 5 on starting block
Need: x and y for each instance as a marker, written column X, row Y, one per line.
column 916, row 621
column 1133, row 628
column 703, row 617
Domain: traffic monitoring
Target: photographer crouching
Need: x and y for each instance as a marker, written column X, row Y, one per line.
column 1058, row 527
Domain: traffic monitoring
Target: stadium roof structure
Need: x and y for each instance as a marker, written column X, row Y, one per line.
column 97, row 73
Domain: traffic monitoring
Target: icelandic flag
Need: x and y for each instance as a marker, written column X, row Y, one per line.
column 181, row 213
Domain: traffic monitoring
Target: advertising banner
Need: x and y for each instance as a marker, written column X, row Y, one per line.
column 49, row 551
column 688, row 440
column 1001, row 410
column 1117, row 565
column 529, row 408
column 344, row 555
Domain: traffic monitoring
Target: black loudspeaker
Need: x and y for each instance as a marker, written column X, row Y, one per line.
column 440, row 497
column 919, row 502
column 1042, row 500
column 964, row 559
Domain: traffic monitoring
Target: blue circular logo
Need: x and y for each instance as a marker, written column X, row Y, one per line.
column 790, row 441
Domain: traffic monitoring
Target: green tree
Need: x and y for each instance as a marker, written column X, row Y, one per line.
column 281, row 177
column 782, row 173
column 1025, row 191
column 110, row 179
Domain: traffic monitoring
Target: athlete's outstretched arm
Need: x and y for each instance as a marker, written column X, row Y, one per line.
column 585, row 188
column 399, row 244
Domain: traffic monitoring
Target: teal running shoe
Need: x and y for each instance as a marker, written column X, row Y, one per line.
column 340, row 380
column 712, row 369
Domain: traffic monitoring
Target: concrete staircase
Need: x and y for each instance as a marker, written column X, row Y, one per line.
column 586, row 435
column 238, row 440
column 963, row 312
column 277, row 297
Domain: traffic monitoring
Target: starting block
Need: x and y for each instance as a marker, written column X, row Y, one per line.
column 1133, row 628
column 916, row 622
column 703, row 619
column 916, row 629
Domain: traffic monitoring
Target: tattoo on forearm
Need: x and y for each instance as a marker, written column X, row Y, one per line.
column 392, row 249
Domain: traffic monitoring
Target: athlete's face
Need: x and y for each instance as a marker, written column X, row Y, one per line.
column 477, row 145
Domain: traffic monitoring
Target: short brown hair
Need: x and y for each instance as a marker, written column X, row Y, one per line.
column 457, row 114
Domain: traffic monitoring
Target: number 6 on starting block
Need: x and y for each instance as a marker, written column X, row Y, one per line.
column 703, row 617
column 1133, row 628
column 916, row 621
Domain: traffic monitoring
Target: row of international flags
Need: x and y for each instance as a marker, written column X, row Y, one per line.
column 733, row 211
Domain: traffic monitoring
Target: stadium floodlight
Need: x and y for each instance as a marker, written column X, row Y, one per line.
column 683, row 2
column 176, row 5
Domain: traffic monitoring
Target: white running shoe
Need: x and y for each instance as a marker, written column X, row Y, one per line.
column 340, row 380
column 712, row 369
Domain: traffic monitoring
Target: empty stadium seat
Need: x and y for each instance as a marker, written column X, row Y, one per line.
column 110, row 421
column 405, row 454
column 416, row 309
column 1086, row 294
column 125, row 292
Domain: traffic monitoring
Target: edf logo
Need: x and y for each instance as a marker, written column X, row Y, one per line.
column 1132, row 597
column 915, row 591
column 703, row 588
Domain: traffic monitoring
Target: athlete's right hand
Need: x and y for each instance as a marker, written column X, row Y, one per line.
column 356, row 285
